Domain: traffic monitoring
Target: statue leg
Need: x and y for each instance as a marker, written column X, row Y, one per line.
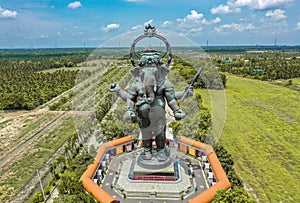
column 160, row 140
column 144, row 124
column 147, row 144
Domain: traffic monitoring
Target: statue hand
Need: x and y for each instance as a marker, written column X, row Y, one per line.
column 129, row 115
column 114, row 87
column 179, row 114
column 190, row 90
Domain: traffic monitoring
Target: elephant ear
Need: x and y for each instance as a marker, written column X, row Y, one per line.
column 135, row 71
column 162, row 71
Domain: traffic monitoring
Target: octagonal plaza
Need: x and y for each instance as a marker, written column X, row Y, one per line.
column 157, row 184
column 192, row 175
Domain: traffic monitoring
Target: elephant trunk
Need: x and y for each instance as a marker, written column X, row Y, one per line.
column 150, row 85
column 150, row 88
column 120, row 92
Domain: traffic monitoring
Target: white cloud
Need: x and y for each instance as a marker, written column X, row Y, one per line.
column 216, row 20
column 166, row 23
column 260, row 4
column 192, row 20
column 205, row 22
column 224, row 9
column 141, row 27
column 193, row 17
column 267, row 25
column 298, row 26
column 74, row 5
column 44, row 36
column 234, row 6
column 277, row 14
column 227, row 28
column 58, row 33
column 109, row 27
column 148, row 22
column 195, row 31
column 137, row 27
column 5, row 13
column 193, row 23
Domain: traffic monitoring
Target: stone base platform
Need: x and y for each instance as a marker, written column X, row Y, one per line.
column 153, row 164
column 152, row 183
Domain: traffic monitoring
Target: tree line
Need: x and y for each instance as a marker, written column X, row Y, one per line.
column 263, row 66
column 24, row 86
column 209, row 78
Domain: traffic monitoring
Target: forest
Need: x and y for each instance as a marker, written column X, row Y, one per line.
column 31, row 78
column 25, row 86
column 263, row 66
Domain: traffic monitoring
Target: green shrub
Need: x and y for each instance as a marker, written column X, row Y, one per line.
column 37, row 197
column 47, row 189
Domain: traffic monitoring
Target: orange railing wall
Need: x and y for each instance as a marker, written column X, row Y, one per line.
column 99, row 194
column 204, row 197
column 222, row 180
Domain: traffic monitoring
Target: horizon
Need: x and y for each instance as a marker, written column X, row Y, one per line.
column 46, row 24
column 128, row 47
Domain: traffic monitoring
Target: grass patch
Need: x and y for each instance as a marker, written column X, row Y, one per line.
column 295, row 81
column 20, row 129
column 262, row 133
column 21, row 172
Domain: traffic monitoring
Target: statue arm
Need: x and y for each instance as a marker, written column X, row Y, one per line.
column 130, row 102
column 188, row 91
column 170, row 97
column 120, row 92
column 178, row 95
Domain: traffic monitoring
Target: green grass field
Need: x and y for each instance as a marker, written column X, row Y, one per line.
column 295, row 81
column 21, row 129
column 17, row 174
column 262, row 131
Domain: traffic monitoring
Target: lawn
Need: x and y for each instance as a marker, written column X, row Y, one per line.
column 16, row 174
column 262, row 131
column 17, row 130
column 295, row 81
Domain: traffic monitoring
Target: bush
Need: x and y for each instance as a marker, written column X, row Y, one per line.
column 236, row 195
column 47, row 189
column 37, row 197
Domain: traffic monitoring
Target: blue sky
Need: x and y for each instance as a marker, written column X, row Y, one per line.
column 60, row 23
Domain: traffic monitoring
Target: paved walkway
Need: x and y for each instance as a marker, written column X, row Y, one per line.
column 199, row 180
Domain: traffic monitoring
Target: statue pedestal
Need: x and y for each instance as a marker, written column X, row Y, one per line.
column 153, row 178
column 154, row 163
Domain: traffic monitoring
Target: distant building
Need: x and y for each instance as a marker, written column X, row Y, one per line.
column 256, row 52
column 257, row 70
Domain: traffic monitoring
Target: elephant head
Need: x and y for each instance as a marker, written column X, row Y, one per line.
column 149, row 78
column 150, row 72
